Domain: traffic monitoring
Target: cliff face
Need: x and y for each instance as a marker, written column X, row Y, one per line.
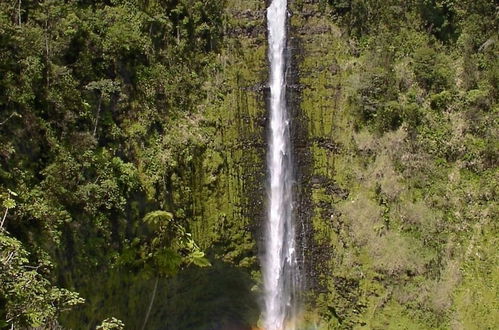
column 229, row 192
column 320, row 125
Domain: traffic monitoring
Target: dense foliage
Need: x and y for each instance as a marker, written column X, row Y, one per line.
column 405, row 204
column 98, row 107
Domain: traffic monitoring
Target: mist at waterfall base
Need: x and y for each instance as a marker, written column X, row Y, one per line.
column 279, row 264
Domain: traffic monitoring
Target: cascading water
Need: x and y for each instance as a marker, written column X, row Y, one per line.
column 279, row 262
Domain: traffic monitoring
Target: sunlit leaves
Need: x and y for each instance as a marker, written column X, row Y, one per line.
column 111, row 323
column 9, row 203
column 158, row 218
column 31, row 299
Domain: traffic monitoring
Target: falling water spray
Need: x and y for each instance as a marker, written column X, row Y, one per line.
column 280, row 276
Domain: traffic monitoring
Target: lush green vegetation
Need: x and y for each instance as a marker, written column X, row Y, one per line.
column 107, row 114
column 128, row 125
column 401, row 103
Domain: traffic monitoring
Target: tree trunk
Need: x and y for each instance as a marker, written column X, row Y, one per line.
column 151, row 303
column 19, row 12
column 47, row 51
column 97, row 115
column 3, row 219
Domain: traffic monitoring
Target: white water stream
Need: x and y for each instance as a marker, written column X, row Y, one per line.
column 279, row 262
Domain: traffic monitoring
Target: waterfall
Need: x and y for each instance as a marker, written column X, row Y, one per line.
column 280, row 276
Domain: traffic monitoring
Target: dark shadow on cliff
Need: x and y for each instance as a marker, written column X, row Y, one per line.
column 212, row 298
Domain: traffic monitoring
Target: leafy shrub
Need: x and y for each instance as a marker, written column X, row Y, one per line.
column 441, row 100
column 431, row 69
